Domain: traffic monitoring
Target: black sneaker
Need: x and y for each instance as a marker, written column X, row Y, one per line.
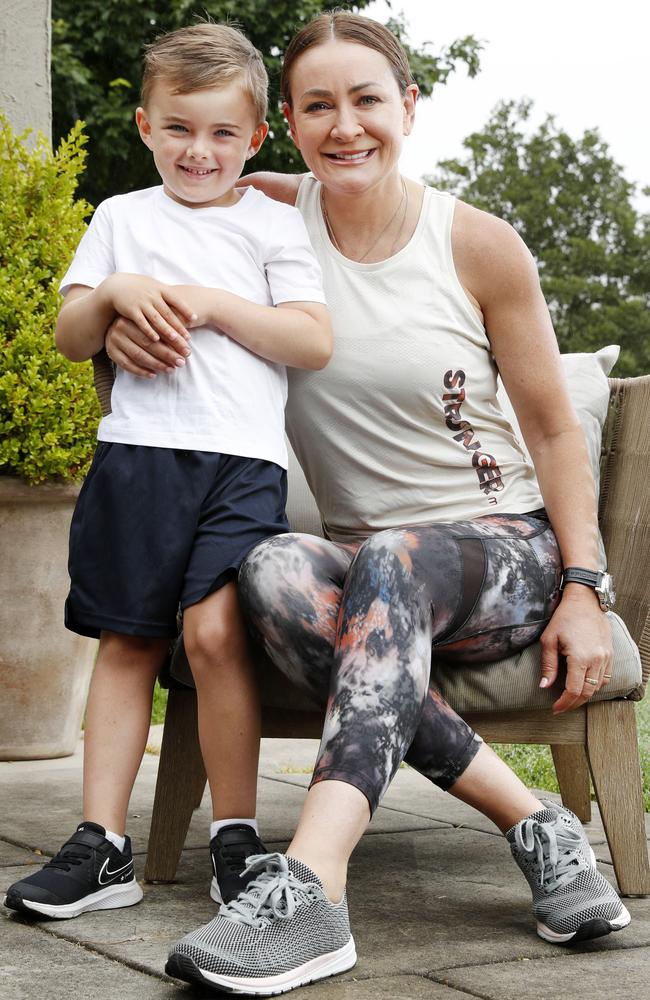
column 88, row 873
column 229, row 850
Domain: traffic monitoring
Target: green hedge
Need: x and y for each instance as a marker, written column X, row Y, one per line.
column 48, row 409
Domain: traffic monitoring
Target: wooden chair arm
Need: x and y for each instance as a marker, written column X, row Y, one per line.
column 103, row 377
column 624, row 507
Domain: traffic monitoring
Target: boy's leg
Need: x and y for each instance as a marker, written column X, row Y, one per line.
column 91, row 871
column 243, row 505
column 229, row 732
column 228, row 701
column 118, row 715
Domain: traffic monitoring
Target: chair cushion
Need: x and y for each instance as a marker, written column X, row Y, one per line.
column 514, row 683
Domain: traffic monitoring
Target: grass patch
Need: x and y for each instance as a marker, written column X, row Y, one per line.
column 159, row 705
column 532, row 763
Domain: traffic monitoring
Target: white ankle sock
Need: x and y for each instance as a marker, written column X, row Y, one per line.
column 117, row 840
column 217, row 825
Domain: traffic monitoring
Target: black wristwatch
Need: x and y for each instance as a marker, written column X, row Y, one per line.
column 602, row 583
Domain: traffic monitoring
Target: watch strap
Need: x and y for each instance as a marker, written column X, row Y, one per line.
column 576, row 574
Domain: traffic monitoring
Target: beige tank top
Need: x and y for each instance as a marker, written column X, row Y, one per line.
column 403, row 426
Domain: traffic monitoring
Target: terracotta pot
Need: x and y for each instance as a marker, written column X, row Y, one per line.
column 44, row 669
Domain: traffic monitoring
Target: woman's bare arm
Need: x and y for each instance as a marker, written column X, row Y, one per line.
column 497, row 269
column 280, row 187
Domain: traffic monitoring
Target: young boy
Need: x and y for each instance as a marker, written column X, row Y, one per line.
column 189, row 472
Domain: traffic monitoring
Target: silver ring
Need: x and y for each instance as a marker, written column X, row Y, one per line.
column 590, row 680
column 607, row 677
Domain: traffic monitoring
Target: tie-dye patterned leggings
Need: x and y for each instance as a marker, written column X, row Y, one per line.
column 355, row 625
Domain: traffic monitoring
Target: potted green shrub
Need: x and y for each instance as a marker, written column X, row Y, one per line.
column 48, row 418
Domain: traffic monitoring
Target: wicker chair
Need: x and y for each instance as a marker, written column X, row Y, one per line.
column 598, row 739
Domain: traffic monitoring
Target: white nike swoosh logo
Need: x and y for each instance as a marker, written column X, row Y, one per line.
column 111, row 874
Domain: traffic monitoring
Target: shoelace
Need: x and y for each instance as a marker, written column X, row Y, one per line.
column 274, row 894
column 234, row 860
column 73, row 854
column 557, row 852
column 234, row 855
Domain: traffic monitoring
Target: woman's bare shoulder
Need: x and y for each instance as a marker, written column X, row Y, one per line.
column 478, row 231
column 488, row 251
column 280, row 187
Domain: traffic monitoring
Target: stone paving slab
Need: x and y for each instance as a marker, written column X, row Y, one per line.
column 622, row 974
column 10, row 854
column 290, row 761
column 410, row 793
column 293, row 761
column 36, row 964
column 437, row 898
column 28, row 784
column 386, row 988
column 43, row 801
column 280, row 803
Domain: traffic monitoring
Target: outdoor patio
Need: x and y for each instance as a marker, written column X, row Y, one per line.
column 438, row 908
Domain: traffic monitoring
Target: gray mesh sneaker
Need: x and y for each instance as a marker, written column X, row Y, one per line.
column 281, row 932
column 572, row 901
column 565, row 815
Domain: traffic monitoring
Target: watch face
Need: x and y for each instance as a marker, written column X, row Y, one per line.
column 606, row 592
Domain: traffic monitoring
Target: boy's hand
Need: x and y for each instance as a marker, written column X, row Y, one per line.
column 129, row 348
column 156, row 309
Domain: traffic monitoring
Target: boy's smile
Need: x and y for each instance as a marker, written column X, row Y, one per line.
column 200, row 141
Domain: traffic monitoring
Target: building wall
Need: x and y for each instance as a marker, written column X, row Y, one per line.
column 25, row 92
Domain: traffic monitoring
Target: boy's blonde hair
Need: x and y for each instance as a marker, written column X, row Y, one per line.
column 206, row 55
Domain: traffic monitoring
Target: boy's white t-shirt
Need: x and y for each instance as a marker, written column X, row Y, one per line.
column 226, row 399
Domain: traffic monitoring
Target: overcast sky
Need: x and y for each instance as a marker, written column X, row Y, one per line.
column 585, row 62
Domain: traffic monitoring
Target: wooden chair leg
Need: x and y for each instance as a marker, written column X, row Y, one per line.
column 179, row 786
column 572, row 770
column 613, row 751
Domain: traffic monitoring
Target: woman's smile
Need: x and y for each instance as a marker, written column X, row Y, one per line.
column 351, row 158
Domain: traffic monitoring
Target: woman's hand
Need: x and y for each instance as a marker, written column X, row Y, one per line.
column 155, row 308
column 131, row 349
column 580, row 632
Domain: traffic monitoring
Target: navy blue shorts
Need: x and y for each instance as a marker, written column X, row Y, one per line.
column 159, row 528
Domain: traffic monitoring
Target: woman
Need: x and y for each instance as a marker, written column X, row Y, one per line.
column 436, row 533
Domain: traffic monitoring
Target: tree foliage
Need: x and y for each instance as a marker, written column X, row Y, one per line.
column 570, row 202
column 96, row 66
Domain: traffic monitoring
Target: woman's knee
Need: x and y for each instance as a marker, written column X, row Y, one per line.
column 267, row 567
column 279, row 569
column 382, row 563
